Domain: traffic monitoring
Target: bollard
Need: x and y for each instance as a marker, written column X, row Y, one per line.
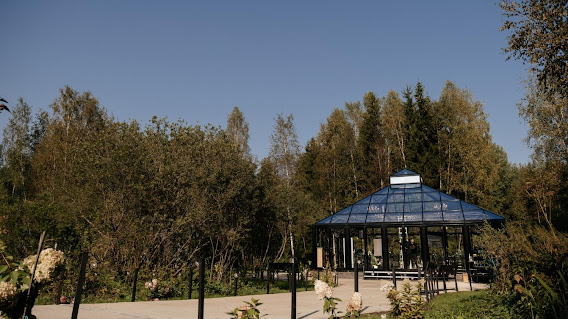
column 79, row 290
column 267, row 281
column 357, row 276
column 190, row 286
column 201, row 301
column 134, row 285
column 236, row 284
column 293, row 289
column 394, row 277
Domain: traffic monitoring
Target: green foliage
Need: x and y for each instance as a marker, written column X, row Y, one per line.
column 531, row 272
column 538, row 37
column 407, row 303
column 153, row 197
column 330, row 306
column 328, row 276
column 467, row 305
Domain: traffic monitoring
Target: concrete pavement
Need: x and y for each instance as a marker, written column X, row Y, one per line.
column 275, row 306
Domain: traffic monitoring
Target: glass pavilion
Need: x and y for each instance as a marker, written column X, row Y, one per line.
column 377, row 230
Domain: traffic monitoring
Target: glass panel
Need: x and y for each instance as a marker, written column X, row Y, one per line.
column 357, row 218
column 379, row 199
column 431, row 196
column 395, row 208
column 432, row 216
column 432, row 206
column 413, row 207
column 413, row 190
column 375, row 249
column 359, row 209
column 413, row 217
column 453, row 216
column 396, row 191
column 455, row 246
column 454, row 205
column 375, row 218
column 413, row 197
column 493, row 216
column 396, row 198
column 344, row 211
column 435, row 244
column 339, row 219
column 393, row 218
column 383, row 191
column 447, row 197
column 474, row 215
column 395, row 247
column 325, row 221
column 412, row 247
column 466, row 206
column 365, row 200
column 377, row 208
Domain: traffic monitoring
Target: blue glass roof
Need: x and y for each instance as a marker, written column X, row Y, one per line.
column 413, row 203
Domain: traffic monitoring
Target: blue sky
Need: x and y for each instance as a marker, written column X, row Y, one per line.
column 197, row 60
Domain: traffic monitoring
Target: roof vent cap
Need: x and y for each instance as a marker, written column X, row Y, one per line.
column 405, row 179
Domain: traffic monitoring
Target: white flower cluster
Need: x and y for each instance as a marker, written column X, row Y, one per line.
column 152, row 285
column 355, row 303
column 385, row 285
column 49, row 259
column 7, row 290
column 323, row 290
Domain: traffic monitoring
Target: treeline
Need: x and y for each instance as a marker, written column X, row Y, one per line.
column 157, row 196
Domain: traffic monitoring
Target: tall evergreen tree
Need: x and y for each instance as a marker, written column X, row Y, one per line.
column 238, row 130
column 372, row 147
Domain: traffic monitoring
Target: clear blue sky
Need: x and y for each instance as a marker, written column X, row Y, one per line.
column 196, row 60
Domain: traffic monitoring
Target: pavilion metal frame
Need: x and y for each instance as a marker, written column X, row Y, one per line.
column 447, row 211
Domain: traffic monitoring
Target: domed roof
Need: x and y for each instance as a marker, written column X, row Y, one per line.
column 408, row 201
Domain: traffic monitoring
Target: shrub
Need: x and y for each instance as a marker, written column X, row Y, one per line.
column 407, row 303
column 531, row 264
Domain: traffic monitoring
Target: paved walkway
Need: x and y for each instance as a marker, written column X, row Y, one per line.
column 276, row 306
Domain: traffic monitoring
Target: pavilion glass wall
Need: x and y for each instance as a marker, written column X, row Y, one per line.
column 384, row 248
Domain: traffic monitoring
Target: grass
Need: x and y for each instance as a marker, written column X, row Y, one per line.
column 466, row 305
column 462, row 305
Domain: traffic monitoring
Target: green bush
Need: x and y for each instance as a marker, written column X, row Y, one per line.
column 531, row 266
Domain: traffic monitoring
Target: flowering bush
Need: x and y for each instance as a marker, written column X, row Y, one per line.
column 157, row 291
column 354, row 306
column 15, row 279
column 49, row 261
column 408, row 303
column 385, row 285
column 324, row 292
